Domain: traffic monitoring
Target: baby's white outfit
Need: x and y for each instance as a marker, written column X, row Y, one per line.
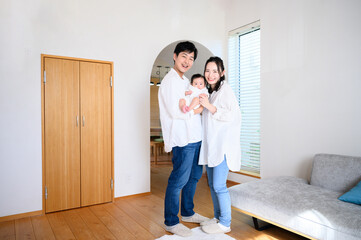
column 195, row 93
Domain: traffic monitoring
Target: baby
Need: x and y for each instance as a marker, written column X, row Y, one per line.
column 197, row 87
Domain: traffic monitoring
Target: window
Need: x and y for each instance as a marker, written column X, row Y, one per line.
column 244, row 78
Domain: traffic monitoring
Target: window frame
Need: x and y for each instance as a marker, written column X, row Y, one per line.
column 234, row 78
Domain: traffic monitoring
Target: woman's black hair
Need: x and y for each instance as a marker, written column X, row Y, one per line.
column 220, row 67
column 197, row 75
column 186, row 47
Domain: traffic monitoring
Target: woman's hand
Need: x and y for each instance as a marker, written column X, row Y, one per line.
column 204, row 101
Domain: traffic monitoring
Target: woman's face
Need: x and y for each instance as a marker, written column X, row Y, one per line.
column 211, row 74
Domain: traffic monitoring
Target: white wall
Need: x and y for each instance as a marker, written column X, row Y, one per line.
column 130, row 33
column 310, row 80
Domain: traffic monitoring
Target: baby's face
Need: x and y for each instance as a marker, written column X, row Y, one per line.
column 198, row 83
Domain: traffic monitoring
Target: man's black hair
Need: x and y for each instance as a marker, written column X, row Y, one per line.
column 186, row 47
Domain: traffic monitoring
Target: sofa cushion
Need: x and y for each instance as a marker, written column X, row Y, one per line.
column 353, row 196
column 336, row 172
column 293, row 203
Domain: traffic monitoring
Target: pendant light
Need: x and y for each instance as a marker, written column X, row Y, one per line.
column 158, row 73
column 158, row 84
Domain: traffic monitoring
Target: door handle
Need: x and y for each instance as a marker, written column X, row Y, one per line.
column 77, row 121
column 83, row 121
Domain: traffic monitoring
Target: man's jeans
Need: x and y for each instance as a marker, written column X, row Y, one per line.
column 185, row 175
column 217, row 180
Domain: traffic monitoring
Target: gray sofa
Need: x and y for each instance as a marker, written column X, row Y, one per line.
column 309, row 209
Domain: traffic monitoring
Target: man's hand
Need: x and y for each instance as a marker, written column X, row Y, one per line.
column 198, row 110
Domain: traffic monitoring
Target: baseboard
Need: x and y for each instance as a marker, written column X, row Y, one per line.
column 134, row 195
column 20, row 215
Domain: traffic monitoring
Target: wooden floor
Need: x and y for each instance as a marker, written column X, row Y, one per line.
column 129, row 218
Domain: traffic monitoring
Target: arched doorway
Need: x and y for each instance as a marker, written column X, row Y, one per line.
column 162, row 64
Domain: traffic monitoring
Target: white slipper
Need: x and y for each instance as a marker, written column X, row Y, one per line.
column 179, row 229
column 215, row 228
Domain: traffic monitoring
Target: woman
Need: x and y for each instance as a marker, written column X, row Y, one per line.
column 220, row 150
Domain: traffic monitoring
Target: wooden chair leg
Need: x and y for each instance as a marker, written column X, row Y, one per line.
column 155, row 155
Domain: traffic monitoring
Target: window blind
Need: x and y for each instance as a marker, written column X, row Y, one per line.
column 244, row 78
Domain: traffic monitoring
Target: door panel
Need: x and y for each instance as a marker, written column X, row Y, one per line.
column 62, row 135
column 96, row 106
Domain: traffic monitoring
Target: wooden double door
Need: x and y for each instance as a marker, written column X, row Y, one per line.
column 77, row 133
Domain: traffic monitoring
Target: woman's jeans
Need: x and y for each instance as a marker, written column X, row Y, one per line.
column 185, row 175
column 217, row 180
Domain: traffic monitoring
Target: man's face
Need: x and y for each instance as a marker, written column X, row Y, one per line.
column 183, row 62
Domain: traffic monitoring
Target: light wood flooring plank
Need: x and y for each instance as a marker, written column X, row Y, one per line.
column 147, row 221
column 149, row 209
column 60, row 228
column 24, row 229
column 7, row 230
column 77, row 225
column 42, row 228
column 131, row 225
column 99, row 230
column 117, row 229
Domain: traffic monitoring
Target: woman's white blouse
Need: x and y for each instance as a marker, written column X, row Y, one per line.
column 221, row 130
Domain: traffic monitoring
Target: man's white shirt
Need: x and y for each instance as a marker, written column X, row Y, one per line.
column 178, row 128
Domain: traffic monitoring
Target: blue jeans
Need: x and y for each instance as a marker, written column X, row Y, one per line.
column 185, row 175
column 217, row 180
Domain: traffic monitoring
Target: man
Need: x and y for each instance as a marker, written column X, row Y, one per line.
column 182, row 134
